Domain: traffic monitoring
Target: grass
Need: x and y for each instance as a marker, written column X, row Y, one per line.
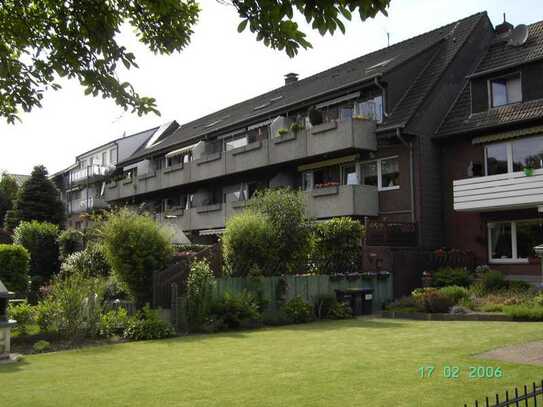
column 337, row 363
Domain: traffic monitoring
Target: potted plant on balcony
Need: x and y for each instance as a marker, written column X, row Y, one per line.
column 296, row 127
column 281, row 132
column 360, row 117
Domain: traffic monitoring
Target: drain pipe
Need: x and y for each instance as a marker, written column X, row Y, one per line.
column 411, row 171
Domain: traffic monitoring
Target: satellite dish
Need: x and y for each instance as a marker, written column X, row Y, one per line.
column 518, row 36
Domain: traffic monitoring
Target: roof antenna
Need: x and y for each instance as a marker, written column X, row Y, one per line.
column 388, row 39
column 504, row 20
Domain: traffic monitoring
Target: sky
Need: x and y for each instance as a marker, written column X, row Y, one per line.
column 219, row 68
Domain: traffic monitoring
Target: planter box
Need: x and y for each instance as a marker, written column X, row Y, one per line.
column 284, row 138
column 326, row 191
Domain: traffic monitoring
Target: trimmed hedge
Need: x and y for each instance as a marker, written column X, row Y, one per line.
column 14, row 266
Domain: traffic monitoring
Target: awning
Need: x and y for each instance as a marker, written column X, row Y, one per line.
column 208, row 232
column 181, row 150
column 507, row 135
column 328, row 163
column 350, row 96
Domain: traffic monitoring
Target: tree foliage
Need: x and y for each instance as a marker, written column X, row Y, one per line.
column 44, row 40
column 8, row 194
column 14, row 265
column 291, row 229
column 38, row 199
column 136, row 246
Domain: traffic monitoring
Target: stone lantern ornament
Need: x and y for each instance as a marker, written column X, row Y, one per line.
column 5, row 323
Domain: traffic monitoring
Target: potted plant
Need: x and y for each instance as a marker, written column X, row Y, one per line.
column 281, row 132
column 528, row 171
column 296, row 127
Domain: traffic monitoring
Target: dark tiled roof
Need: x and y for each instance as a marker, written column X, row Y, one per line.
column 501, row 55
column 460, row 120
column 428, row 77
column 341, row 76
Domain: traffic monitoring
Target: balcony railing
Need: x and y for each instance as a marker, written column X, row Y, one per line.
column 336, row 136
column 499, row 192
column 87, row 173
column 85, row 205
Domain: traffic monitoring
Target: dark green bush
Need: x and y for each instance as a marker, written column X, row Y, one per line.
column 40, row 239
column 248, row 245
column 298, row 311
column 448, row 276
column 69, row 242
column 146, row 324
column 236, row 311
column 455, row 293
column 524, row 312
column 200, row 284
column 339, row 310
column 14, row 267
column 518, row 285
column 41, row 346
column 327, row 306
column 136, row 246
column 493, row 281
column 292, row 234
column 338, row 246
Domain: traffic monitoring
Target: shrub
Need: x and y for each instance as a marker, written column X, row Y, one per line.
column 291, row 229
column 448, row 276
column 323, row 304
column 91, row 262
column 459, row 310
column 339, row 310
column 518, row 286
column 40, row 239
column 337, row 246
column 135, row 246
column 524, row 312
column 73, row 307
column 491, row 307
column 298, row 311
column 146, row 324
column 454, row 292
column 200, row 283
column 24, row 314
column 493, row 281
column 41, row 346
column 538, row 299
column 248, row 244
column 113, row 323
column 433, row 300
column 236, row 311
column 69, row 242
column 14, row 266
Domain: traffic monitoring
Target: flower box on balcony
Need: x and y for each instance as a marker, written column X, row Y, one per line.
column 209, row 208
column 283, row 138
column 321, row 128
column 325, row 190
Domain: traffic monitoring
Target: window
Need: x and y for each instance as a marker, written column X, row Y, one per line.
column 505, row 91
column 349, row 175
column 326, row 177
column 372, row 109
column 383, row 173
column 514, row 156
column 113, row 156
column 513, row 241
column 174, row 160
column 104, row 158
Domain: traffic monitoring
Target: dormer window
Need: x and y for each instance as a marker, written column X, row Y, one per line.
column 504, row 91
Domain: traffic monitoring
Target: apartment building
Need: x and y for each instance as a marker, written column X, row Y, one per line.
column 82, row 185
column 492, row 154
column 357, row 139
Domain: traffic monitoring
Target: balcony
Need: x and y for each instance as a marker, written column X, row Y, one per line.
column 86, row 205
column 88, row 174
column 342, row 200
column 499, row 192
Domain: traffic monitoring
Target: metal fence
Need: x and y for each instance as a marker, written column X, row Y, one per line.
column 531, row 396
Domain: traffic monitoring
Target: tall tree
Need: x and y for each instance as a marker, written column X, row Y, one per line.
column 42, row 40
column 8, row 194
column 39, row 199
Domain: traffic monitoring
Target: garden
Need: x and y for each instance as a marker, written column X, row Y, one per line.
column 482, row 292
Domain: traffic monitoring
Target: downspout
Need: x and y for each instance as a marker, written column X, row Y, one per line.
column 383, row 93
column 411, row 171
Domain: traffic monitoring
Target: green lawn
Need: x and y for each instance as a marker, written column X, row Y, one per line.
column 345, row 363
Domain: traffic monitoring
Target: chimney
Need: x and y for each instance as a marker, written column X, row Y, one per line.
column 504, row 27
column 291, row 78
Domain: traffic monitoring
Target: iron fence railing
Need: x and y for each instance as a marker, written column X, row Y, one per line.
column 527, row 396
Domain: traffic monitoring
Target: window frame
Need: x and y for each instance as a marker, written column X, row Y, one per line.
column 514, row 249
column 378, row 162
column 510, row 158
column 503, row 77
